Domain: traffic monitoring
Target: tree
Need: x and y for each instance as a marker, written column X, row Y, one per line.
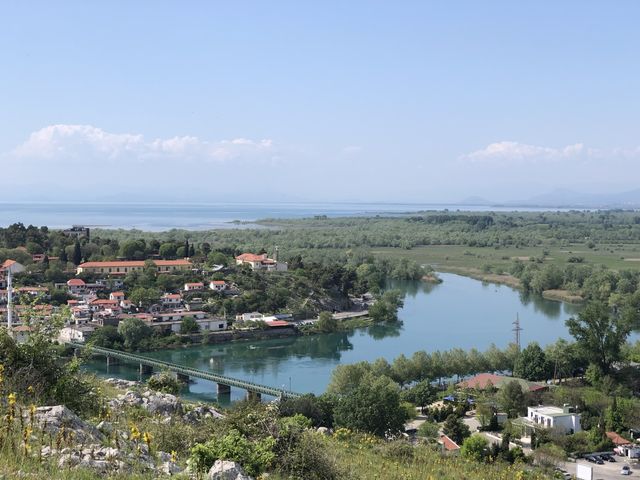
column 107, row 337
column 189, row 325
column 77, row 253
column 421, row 394
column 385, row 309
column 532, row 364
column 133, row 331
column 599, row 334
column 144, row 297
column 373, row 406
column 326, row 323
column 455, row 428
column 475, row 448
column 167, row 250
column 512, row 399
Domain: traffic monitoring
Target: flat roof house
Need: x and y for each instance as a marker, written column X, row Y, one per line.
column 561, row 419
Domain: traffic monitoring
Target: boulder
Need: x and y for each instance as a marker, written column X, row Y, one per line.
column 54, row 418
column 227, row 470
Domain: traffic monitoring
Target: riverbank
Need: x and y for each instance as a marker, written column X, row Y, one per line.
column 557, row 295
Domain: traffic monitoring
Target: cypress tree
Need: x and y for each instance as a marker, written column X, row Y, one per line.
column 77, row 253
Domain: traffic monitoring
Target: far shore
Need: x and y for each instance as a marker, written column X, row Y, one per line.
column 511, row 281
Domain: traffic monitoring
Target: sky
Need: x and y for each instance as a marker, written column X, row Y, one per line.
column 317, row 101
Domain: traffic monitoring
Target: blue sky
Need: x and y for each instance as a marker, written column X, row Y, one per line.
column 373, row 101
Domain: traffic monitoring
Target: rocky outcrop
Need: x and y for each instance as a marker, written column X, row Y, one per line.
column 120, row 383
column 227, row 470
column 199, row 413
column 59, row 420
column 153, row 402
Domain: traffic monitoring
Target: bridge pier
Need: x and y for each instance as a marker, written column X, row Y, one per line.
column 254, row 396
column 224, row 389
column 181, row 377
column 111, row 361
column 145, row 369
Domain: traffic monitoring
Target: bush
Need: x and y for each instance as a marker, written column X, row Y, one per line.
column 254, row 456
column 164, row 382
column 397, row 450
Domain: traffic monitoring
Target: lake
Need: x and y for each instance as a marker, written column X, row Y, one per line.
column 460, row 312
column 200, row 216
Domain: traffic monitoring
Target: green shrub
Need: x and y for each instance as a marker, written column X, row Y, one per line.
column 254, row 456
column 164, row 382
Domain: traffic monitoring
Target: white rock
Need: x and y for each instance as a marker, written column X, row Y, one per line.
column 227, row 470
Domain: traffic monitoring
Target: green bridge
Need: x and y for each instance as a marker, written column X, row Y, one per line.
column 224, row 383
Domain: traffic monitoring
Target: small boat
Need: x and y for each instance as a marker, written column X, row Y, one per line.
column 252, row 347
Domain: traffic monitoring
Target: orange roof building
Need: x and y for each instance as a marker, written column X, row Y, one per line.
column 128, row 266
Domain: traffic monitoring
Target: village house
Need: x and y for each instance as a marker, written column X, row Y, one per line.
column 116, row 296
column 218, row 285
column 190, row 287
column 76, row 286
column 560, row 419
column 127, row 266
column 261, row 262
column 171, row 299
column 33, row 291
column 12, row 266
column 21, row 333
column 101, row 304
column 75, row 333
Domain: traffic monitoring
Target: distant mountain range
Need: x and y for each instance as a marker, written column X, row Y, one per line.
column 568, row 198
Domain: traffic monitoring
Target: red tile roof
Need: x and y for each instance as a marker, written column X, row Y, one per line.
column 117, row 294
column 277, row 323
column 482, row 381
column 135, row 263
column 218, row 282
column 617, row 439
column 251, row 257
column 449, row 444
column 76, row 282
column 7, row 263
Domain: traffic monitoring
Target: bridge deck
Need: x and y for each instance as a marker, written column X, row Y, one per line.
column 191, row 372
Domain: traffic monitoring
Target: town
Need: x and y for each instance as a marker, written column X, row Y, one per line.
column 189, row 297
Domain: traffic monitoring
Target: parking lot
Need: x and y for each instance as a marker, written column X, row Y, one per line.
column 608, row 471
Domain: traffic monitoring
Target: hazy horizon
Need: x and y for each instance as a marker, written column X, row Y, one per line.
column 410, row 102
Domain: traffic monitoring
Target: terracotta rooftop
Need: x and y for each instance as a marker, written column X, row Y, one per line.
column 135, row 263
column 449, row 444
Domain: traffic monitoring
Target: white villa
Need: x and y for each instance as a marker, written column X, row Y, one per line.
column 561, row 419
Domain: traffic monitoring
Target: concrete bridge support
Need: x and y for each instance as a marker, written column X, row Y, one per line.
column 145, row 369
column 253, row 396
column 224, row 389
column 181, row 377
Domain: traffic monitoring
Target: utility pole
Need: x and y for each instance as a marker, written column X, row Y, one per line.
column 9, row 301
column 517, row 329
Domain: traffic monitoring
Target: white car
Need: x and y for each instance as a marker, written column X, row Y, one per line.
column 626, row 470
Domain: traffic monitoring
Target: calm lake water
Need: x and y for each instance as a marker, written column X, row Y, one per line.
column 460, row 312
column 200, row 216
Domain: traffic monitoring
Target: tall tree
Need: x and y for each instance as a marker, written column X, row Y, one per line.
column 77, row 253
column 455, row 428
column 373, row 407
column 532, row 364
column 512, row 399
column 599, row 334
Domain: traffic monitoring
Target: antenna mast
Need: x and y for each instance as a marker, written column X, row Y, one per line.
column 517, row 329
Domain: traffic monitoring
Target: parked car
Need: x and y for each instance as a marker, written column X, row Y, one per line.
column 626, row 470
column 599, row 460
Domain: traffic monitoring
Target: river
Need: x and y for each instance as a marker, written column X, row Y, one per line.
column 460, row 312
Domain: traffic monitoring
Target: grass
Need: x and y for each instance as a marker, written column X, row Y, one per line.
column 461, row 259
column 361, row 459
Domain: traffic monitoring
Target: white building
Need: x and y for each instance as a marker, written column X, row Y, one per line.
column 12, row 266
column 218, row 285
column 557, row 418
column 75, row 333
column 261, row 262
column 190, row 287
column 171, row 299
column 21, row 333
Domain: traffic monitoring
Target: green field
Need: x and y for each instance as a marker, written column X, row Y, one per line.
column 459, row 258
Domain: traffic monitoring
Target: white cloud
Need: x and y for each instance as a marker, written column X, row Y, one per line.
column 86, row 142
column 515, row 151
